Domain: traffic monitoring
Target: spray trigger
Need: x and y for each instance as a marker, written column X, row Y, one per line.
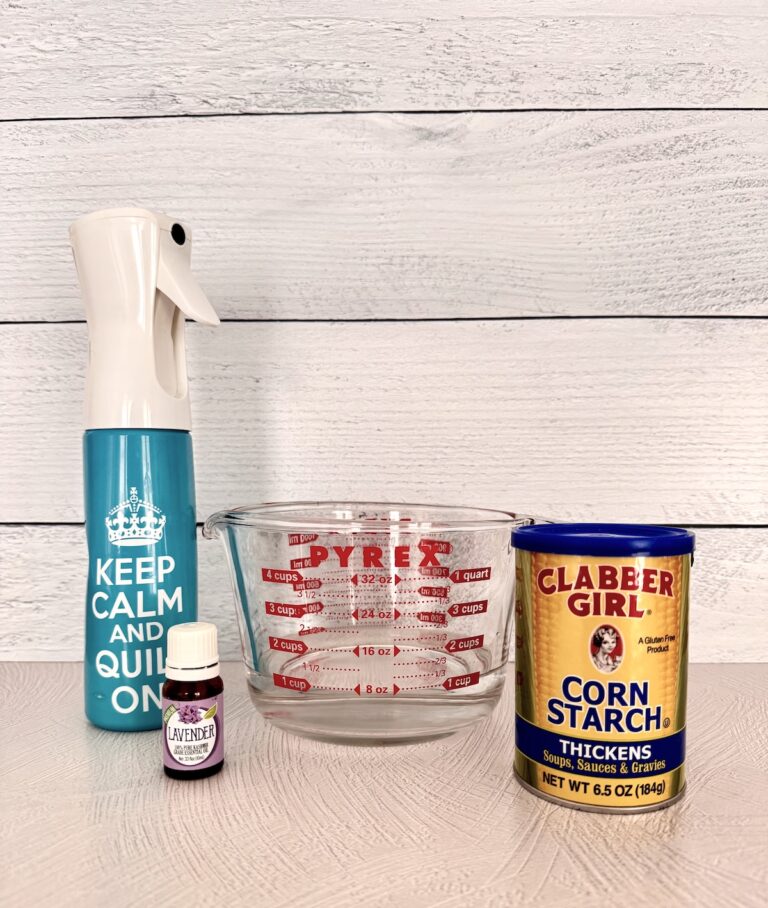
column 135, row 274
column 176, row 281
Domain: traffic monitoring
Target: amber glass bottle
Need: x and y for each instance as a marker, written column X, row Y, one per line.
column 193, row 703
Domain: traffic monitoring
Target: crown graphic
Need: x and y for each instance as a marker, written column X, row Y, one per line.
column 135, row 522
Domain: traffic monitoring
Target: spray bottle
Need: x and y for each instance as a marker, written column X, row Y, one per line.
column 134, row 272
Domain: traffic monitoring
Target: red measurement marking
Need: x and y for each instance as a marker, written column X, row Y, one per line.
column 376, row 690
column 462, row 644
column 376, row 651
column 301, row 538
column 434, row 592
column 439, row 572
column 439, row 546
column 375, row 614
column 307, row 585
column 339, row 616
column 462, row 609
column 459, row 681
column 380, row 579
column 276, row 575
column 438, row 673
column 312, row 630
column 421, row 663
column 469, row 575
column 326, row 687
column 283, row 645
column 431, row 617
column 300, row 563
column 299, row 684
column 423, row 636
column 292, row 610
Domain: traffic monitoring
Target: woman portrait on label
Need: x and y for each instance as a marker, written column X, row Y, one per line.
column 606, row 648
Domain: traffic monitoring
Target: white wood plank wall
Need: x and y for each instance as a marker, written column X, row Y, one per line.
column 462, row 254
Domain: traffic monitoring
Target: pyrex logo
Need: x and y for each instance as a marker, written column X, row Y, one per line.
column 372, row 555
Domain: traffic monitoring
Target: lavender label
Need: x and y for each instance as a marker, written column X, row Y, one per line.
column 193, row 733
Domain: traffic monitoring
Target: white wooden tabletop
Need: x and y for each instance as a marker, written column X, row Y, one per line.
column 88, row 818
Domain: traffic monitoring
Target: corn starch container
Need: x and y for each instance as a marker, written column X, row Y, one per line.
column 601, row 664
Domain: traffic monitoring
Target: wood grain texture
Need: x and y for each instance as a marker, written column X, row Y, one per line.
column 380, row 216
column 89, row 818
column 654, row 420
column 42, row 595
column 144, row 59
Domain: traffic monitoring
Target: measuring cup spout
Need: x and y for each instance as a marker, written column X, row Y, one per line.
column 211, row 527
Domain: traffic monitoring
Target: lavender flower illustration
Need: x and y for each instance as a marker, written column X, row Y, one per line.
column 189, row 714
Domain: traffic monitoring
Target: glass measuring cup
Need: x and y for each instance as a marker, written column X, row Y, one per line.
column 370, row 622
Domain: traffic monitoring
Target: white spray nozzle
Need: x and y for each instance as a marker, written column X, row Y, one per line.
column 134, row 271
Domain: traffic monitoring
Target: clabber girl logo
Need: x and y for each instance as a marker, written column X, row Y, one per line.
column 606, row 648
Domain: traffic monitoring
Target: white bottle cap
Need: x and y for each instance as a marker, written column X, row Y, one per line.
column 137, row 286
column 193, row 652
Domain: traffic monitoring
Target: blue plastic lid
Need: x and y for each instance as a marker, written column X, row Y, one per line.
column 617, row 539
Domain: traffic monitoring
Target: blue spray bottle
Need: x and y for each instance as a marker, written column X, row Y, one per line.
column 134, row 272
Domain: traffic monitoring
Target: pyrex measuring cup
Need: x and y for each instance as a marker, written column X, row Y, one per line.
column 371, row 622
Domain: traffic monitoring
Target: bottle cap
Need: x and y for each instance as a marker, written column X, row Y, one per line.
column 619, row 540
column 135, row 277
column 193, row 652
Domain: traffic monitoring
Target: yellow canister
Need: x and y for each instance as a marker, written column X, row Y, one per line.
column 601, row 657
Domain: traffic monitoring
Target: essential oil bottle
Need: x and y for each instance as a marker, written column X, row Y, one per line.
column 193, row 703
